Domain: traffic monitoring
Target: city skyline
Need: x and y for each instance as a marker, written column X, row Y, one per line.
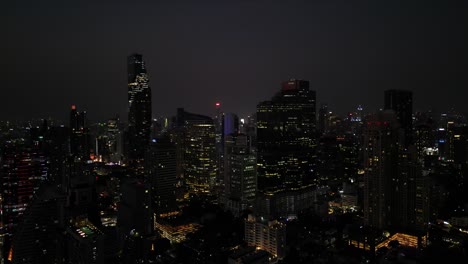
column 234, row 53
column 234, row 131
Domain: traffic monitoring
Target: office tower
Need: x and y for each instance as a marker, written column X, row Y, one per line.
column 393, row 180
column 161, row 171
column 199, row 151
column 230, row 125
column 240, row 172
column 266, row 235
column 286, row 137
column 79, row 134
column 380, row 164
column 139, row 108
column 22, row 171
column 401, row 102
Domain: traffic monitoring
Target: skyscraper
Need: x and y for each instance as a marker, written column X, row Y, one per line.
column 393, row 181
column 162, row 173
column 380, row 164
column 199, row 151
column 79, row 134
column 286, row 137
column 139, row 108
column 401, row 102
column 240, row 172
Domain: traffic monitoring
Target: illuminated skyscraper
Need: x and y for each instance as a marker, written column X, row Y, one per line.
column 286, row 137
column 139, row 108
column 199, row 151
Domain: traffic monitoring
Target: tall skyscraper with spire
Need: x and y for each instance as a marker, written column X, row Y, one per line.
column 139, row 108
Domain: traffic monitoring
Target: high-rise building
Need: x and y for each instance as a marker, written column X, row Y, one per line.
column 380, row 164
column 161, row 170
column 199, row 151
column 401, row 102
column 230, row 125
column 286, row 137
column 323, row 119
column 79, row 134
column 393, row 179
column 266, row 235
column 139, row 108
column 240, row 172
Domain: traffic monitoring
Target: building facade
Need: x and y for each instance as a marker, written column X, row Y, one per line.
column 286, row 137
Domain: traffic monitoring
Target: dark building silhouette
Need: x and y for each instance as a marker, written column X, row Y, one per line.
column 323, row 119
column 395, row 190
column 22, row 170
column 135, row 212
column 401, row 102
column 139, row 108
column 38, row 238
column 85, row 243
column 286, row 137
column 79, row 134
column 78, row 183
column 161, row 168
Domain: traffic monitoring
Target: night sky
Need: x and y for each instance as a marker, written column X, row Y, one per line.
column 58, row 53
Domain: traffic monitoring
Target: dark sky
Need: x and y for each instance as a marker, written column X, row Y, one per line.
column 58, row 53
